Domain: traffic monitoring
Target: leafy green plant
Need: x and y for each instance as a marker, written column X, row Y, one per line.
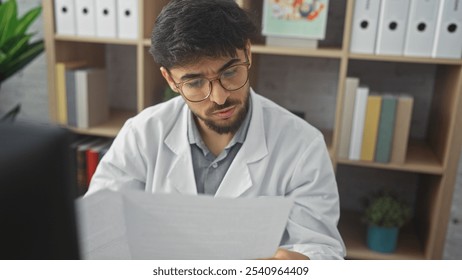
column 16, row 48
column 386, row 210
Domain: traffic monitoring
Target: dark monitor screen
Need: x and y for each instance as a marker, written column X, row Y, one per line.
column 37, row 218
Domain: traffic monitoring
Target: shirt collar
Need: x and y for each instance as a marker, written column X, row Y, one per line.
column 194, row 136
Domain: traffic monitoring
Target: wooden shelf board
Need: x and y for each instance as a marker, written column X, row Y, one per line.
column 320, row 52
column 114, row 41
column 353, row 232
column 420, row 158
column 410, row 59
column 288, row 51
column 109, row 128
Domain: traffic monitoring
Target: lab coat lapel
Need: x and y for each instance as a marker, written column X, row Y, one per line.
column 237, row 180
column 181, row 173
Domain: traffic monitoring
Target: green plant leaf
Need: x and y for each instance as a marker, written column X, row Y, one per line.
column 33, row 51
column 24, row 22
column 8, row 21
column 12, row 48
column 15, row 49
column 21, row 44
column 2, row 56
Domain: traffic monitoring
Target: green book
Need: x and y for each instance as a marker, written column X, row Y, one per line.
column 386, row 127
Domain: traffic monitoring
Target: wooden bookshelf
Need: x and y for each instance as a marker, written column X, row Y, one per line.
column 419, row 158
column 434, row 159
column 353, row 232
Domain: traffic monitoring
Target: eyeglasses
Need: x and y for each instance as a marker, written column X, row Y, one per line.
column 231, row 79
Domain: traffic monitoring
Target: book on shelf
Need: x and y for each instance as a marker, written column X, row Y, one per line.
column 371, row 127
column 351, row 85
column 93, row 158
column 386, row 128
column 71, row 98
column 81, row 155
column 357, row 127
column 62, row 88
column 91, row 97
column 75, row 162
column 402, row 127
column 294, row 23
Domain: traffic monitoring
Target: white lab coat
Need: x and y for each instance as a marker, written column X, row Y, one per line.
column 282, row 156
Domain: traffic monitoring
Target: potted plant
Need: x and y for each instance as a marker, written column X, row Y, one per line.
column 385, row 215
column 16, row 48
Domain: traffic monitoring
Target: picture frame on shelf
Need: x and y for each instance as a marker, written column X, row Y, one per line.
column 294, row 23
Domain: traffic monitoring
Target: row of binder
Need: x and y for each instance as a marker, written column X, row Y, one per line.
column 97, row 18
column 374, row 127
column 426, row 28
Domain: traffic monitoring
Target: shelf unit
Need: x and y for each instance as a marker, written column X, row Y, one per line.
column 433, row 159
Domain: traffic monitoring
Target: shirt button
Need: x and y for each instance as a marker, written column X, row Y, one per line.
column 215, row 165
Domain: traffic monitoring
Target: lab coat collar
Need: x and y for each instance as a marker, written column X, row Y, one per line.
column 237, row 180
column 181, row 173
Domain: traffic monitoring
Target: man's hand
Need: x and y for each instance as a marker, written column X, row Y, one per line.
column 283, row 254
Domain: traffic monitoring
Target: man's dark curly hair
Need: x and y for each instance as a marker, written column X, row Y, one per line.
column 188, row 30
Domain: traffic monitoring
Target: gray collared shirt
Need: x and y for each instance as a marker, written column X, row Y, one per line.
column 209, row 170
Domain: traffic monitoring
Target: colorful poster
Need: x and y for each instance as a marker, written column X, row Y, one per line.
column 295, row 18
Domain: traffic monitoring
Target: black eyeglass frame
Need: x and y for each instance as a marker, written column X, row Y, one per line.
column 180, row 84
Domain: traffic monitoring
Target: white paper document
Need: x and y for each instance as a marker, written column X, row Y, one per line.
column 139, row 225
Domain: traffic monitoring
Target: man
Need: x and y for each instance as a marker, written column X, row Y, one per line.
column 219, row 137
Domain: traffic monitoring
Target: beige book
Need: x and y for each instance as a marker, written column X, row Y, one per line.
column 351, row 84
column 91, row 97
column 402, row 128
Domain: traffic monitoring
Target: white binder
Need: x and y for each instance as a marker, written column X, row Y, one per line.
column 127, row 19
column 420, row 33
column 65, row 17
column 106, row 19
column 86, row 17
column 448, row 36
column 392, row 27
column 364, row 29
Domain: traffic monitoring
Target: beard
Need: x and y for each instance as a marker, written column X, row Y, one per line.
column 232, row 127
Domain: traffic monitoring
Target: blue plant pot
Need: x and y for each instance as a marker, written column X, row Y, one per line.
column 382, row 239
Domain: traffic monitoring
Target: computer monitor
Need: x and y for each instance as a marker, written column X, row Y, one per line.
column 37, row 217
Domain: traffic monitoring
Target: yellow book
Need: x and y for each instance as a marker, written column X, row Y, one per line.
column 61, row 96
column 61, row 109
column 371, row 127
